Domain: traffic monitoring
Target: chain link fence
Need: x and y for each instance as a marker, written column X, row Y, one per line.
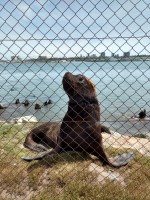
column 106, row 41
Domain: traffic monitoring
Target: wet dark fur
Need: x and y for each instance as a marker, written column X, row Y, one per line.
column 81, row 130
column 43, row 137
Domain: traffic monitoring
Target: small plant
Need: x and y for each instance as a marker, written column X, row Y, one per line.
column 141, row 135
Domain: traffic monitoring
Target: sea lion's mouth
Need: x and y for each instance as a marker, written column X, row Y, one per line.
column 68, row 79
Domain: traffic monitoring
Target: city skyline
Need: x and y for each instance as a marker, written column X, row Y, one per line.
column 70, row 28
column 89, row 57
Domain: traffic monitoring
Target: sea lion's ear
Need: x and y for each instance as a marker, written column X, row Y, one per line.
column 89, row 91
column 92, row 83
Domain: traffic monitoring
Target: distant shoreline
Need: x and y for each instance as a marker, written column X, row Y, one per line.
column 83, row 59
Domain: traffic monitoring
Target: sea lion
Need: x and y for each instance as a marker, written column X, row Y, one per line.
column 17, row 101
column 80, row 130
column 142, row 114
column 47, row 102
column 37, row 106
column 26, row 103
column 44, row 136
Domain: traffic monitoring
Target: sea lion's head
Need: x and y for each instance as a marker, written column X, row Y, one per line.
column 79, row 87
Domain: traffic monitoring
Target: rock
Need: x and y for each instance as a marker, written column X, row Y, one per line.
column 2, row 106
column 115, row 133
column 24, row 119
column 104, row 174
column 142, row 145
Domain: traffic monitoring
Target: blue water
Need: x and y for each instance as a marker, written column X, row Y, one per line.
column 123, row 88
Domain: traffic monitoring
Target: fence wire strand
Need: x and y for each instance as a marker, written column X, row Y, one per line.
column 104, row 42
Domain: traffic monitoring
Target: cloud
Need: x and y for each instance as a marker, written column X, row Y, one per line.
column 104, row 25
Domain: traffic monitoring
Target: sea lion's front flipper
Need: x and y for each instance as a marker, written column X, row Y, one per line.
column 42, row 155
column 122, row 159
column 29, row 158
column 37, row 157
column 36, row 147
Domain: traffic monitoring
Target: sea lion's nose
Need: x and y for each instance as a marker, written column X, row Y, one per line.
column 67, row 74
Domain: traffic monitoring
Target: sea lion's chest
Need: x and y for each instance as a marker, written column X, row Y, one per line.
column 79, row 134
column 79, row 126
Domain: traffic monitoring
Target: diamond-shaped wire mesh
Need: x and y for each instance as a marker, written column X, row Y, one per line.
column 106, row 41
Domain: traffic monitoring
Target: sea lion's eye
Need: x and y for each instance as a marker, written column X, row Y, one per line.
column 81, row 79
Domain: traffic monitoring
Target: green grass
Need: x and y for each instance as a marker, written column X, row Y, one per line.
column 141, row 135
column 66, row 176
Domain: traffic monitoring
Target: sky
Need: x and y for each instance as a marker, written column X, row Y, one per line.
column 66, row 28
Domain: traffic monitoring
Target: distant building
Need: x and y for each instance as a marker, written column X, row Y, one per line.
column 13, row 57
column 93, row 55
column 103, row 54
column 126, row 54
column 116, row 55
column 88, row 55
column 42, row 57
column 112, row 55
